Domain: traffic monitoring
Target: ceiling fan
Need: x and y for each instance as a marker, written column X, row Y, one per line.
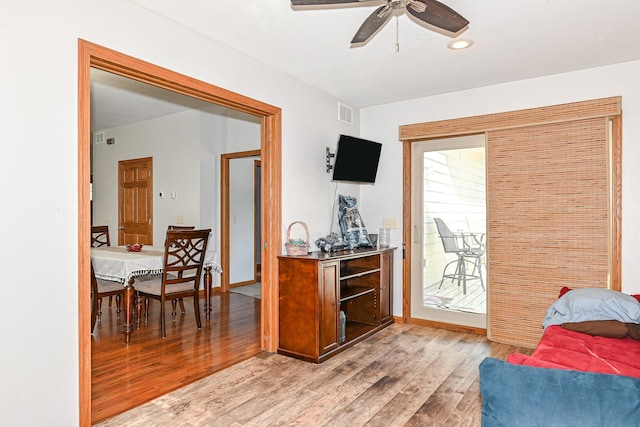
column 430, row 11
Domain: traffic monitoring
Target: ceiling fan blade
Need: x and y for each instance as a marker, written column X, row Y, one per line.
column 373, row 23
column 437, row 14
column 319, row 2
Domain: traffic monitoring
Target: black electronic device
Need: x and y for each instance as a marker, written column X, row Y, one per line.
column 356, row 160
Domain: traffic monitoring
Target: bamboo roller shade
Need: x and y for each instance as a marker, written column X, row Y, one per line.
column 547, row 221
column 549, row 200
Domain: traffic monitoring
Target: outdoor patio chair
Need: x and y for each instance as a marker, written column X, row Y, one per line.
column 465, row 251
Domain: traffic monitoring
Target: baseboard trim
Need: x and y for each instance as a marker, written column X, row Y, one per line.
column 442, row 325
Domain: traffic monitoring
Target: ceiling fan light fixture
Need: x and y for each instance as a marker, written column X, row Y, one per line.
column 459, row 44
column 431, row 12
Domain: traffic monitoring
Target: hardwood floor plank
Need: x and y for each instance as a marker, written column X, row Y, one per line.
column 405, row 375
column 275, row 409
column 393, row 377
column 365, row 370
column 451, row 391
column 126, row 375
column 445, row 355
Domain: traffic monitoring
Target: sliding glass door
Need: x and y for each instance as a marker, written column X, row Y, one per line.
column 449, row 241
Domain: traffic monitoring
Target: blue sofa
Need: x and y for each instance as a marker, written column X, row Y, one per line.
column 523, row 396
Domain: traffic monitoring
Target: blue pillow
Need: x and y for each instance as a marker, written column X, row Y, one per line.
column 584, row 304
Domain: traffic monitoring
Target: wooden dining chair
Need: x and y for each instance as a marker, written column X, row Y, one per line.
column 100, row 236
column 180, row 228
column 183, row 260
column 100, row 289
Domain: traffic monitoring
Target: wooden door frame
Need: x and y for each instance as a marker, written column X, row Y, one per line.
column 149, row 163
column 224, row 211
column 92, row 55
column 257, row 218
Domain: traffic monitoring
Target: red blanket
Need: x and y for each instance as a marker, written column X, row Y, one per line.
column 564, row 349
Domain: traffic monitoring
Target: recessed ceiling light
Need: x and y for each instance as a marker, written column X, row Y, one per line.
column 459, row 44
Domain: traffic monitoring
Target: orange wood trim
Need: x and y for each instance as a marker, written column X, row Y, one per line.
column 84, row 240
column 224, row 219
column 603, row 107
column 271, row 225
column 398, row 319
column 257, row 214
column 447, row 326
column 93, row 55
column 407, row 228
column 241, row 154
column 224, row 207
column 616, row 200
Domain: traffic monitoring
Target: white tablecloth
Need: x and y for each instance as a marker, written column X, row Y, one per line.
column 116, row 264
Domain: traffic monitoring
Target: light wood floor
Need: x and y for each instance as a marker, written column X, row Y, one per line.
column 125, row 376
column 405, row 375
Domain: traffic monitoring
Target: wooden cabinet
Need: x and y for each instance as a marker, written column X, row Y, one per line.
column 328, row 302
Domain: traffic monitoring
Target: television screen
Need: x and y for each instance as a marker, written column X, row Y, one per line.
column 356, row 160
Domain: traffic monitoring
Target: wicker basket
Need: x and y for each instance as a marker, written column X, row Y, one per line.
column 297, row 247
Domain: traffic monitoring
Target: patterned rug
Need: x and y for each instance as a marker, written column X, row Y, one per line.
column 438, row 301
column 254, row 290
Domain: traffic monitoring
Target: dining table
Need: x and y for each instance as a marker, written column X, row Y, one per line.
column 116, row 263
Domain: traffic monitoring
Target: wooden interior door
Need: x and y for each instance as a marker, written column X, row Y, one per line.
column 135, row 201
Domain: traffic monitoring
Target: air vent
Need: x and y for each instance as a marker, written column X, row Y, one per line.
column 99, row 139
column 345, row 113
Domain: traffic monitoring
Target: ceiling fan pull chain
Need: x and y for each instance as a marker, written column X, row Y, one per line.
column 397, row 35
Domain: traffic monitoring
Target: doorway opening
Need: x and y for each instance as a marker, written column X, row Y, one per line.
column 92, row 55
column 448, row 252
column 241, row 217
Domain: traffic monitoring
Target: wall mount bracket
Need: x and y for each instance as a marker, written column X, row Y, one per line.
column 329, row 155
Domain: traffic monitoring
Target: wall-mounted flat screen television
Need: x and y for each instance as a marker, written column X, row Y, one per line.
column 356, row 160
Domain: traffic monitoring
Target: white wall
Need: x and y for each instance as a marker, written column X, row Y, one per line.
column 186, row 150
column 174, row 144
column 39, row 110
column 382, row 122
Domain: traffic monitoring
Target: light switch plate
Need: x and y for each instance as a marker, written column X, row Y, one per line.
column 390, row 223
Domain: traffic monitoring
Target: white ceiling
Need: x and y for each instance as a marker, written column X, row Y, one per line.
column 513, row 40
column 118, row 101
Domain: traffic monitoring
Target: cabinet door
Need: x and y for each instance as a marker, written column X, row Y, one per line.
column 328, row 298
column 386, row 286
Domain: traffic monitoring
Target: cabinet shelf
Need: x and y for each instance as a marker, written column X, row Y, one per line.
column 355, row 330
column 349, row 292
column 354, row 272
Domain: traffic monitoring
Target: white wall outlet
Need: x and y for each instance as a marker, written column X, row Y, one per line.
column 390, row 223
column 161, row 194
column 180, row 219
